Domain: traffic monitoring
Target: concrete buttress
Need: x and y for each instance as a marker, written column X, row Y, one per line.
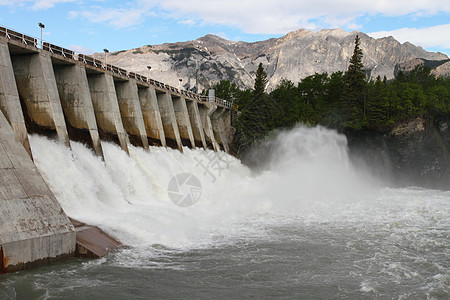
column 33, row 227
column 206, row 110
column 9, row 97
column 169, row 120
column 184, row 124
column 131, row 112
column 76, row 101
column 106, row 108
column 196, row 124
column 37, row 87
column 152, row 115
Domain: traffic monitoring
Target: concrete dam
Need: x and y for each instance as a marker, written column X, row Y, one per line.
column 49, row 90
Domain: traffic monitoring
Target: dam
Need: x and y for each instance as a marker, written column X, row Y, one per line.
column 50, row 90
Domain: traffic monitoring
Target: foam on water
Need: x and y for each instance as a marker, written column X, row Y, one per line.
column 310, row 177
column 309, row 184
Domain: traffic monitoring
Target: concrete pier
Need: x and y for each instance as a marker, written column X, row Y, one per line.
column 196, row 124
column 106, row 108
column 130, row 110
column 37, row 88
column 152, row 115
column 218, row 126
column 169, row 120
column 33, row 227
column 183, row 121
column 206, row 110
column 9, row 97
column 77, row 105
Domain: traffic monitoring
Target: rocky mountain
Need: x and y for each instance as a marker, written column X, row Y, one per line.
column 438, row 67
column 294, row 56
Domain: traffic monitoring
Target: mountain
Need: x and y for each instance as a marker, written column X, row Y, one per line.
column 294, row 56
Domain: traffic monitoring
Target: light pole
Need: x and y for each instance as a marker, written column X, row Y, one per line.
column 149, row 68
column 179, row 86
column 106, row 57
column 42, row 28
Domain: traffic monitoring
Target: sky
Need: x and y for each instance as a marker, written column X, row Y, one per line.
column 91, row 26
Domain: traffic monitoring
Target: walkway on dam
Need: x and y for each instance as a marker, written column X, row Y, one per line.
column 83, row 98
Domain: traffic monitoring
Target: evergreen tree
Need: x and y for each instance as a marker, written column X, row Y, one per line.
column 256, row 120
column 376, row 106
column 354, row 96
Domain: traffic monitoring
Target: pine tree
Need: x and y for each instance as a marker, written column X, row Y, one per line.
column 354, row 96
column 256, row 120
column 376, row 106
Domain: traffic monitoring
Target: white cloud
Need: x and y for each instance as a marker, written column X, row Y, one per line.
column 264, row 16
column 37, row 4
column 435, row 36
column 117, row 17
column 81, row 49
column 277, row 17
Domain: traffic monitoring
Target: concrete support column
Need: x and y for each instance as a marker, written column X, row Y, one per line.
column 168, row 119
column 130, row 110
column 216, row 125
column 37, row 87
column 196, row 124
column 76, row 102
column 206, row 110
column 9, row 97
column 184, row 124
column 106, row 108
column 33, row 226
column 226, row 129
column 152, row 115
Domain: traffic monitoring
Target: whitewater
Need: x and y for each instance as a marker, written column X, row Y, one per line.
column 308, row 224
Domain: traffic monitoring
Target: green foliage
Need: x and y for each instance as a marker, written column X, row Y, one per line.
column 257, row 117
column 340, row 100
column 354, row 94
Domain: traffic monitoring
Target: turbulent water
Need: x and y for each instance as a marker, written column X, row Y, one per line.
column 311, row 225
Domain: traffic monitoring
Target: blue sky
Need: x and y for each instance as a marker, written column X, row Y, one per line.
column 91, row 26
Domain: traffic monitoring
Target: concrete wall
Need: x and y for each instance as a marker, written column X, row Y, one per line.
column 130, row 110
column 152, row 115
column 106, row 107
column 169, row 120
column 196, row 124
column 37, row 87
column 33, row 226
column 73, row 89
column 9, row 97
column 183, row 122
column 221, row 124
column 206, row 110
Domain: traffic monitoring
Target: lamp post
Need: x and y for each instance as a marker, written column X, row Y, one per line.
column 179, row 86
column 106, row 57
column 42, row 28
column 149, row 68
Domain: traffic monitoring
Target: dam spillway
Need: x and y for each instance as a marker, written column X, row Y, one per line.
column 54, row 91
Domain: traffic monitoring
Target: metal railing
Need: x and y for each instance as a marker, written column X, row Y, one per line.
column 91, row 61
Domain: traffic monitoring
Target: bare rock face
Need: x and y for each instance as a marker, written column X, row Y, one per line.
column 438, row 67
column 294, row 56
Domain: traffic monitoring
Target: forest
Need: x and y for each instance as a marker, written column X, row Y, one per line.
column 341, row 100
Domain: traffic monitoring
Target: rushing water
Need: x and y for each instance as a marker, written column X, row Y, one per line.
column 311, row 226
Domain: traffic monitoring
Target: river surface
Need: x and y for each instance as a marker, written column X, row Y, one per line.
column 200, row 225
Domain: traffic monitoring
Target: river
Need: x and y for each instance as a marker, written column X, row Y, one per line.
column 200, row 225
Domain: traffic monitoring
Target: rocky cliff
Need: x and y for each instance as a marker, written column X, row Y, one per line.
column 414, row 152
column 294, row 56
